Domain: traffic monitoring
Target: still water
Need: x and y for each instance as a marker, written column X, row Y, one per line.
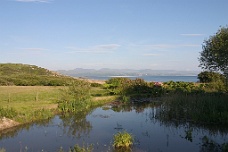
column 98, row 126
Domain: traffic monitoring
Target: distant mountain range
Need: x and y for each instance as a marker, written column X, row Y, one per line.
column 80, row 72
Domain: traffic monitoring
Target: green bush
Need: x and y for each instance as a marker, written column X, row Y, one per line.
column 116, row 85
column 96, row 85
column 75, row 97
column 182, row 87
column 208, row 77
column 216, row 82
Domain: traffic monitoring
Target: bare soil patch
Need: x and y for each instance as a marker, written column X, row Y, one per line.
column 6, row 123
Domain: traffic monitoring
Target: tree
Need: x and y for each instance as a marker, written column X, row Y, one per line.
column 214, row 56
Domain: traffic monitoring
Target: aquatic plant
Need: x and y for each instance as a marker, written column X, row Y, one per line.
column 208, row 108
column 225, row 147
column 188, row 135
column 77, row 148
column 123, row 139
column 211, row 145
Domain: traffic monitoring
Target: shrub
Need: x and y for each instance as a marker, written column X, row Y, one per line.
column 208, row 77
column 76, row 97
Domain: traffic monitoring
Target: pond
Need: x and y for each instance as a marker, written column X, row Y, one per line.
column 98, row 126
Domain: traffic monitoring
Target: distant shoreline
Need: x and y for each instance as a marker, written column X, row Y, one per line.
column 146, row 78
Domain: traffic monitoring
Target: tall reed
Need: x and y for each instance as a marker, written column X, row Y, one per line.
column 208, row 108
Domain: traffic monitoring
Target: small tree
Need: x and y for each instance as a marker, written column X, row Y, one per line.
column 214, row 56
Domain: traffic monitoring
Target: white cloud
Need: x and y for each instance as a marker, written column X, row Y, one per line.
column 39, row 1
column 34, row 49
column 192, row 34
column 151, row 54
column 106, row 48
column 165, row 46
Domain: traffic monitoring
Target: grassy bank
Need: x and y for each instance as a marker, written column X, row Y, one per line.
column 30, row 103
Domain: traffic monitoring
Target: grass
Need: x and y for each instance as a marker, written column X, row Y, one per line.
column 30, row 103
column 99, row 91
column 122, row 140
column 84, row 148
column 208, row 108
column 29, row 98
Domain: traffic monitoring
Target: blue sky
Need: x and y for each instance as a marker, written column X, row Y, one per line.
column 95, row 34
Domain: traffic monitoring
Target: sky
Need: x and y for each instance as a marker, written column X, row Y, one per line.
column 116, row 34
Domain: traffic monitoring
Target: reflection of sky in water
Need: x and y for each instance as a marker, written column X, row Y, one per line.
column 98, row 129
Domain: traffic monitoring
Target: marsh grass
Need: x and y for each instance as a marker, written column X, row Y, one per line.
column 83, row 148
column 208, row 108
column 123, row 140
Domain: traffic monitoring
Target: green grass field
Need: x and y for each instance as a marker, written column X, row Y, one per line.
column 38, row 102
column 29, row 98
column 28, row 103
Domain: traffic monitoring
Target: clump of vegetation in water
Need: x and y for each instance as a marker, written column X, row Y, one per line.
column 123, row 140
column 210, row 145
column 77, row 148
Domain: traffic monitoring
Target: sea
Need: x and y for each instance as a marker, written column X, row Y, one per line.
column 151, row 78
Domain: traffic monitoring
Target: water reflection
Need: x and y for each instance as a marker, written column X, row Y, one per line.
column 14, row 131
column 98, row 126
column 76, row 124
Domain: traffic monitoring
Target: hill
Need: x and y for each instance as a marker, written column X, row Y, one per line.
column 30, row 75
